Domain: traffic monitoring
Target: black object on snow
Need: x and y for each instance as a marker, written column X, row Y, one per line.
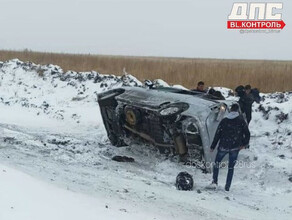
column 123, row 159
column 184, row 181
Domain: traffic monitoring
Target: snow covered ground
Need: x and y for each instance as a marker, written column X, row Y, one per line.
column 56, row 159
column 35, row 199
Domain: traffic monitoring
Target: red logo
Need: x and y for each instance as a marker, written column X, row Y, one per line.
column 260, row 16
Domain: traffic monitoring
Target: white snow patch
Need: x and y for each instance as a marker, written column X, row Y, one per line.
column 27, row 198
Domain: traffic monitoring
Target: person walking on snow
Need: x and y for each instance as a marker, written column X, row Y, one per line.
column 247, row 97
column 246, row 101
column 233, row 135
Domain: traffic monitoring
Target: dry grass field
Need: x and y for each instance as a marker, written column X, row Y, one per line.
column 268, row 76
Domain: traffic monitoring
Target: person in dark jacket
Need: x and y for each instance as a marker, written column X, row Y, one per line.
column 256, row 95
column 200, row 87
column 245, row 101
column 233, row 135
column 215, row 94
column 248, row 100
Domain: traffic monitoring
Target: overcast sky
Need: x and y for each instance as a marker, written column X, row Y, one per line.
column 176, row 28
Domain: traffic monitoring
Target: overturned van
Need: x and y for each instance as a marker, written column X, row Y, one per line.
column 180, row 120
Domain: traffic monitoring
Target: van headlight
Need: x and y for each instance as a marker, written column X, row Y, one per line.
column 222, row 108
column 173, row 109
column 221, row 113
column 169, row 111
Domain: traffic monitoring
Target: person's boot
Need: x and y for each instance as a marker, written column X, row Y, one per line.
column 227, row 188
column 212, row 186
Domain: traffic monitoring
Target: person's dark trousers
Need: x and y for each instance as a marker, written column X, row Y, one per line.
column 232, row 161
column 248, row 118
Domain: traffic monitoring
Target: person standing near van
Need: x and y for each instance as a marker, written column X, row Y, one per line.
column 233, row 135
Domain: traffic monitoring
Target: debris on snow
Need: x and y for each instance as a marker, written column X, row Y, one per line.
column 123, row 159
